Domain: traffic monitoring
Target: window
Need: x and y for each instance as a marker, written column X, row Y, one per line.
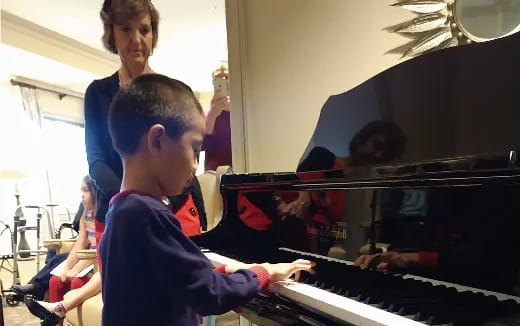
column 65, row 160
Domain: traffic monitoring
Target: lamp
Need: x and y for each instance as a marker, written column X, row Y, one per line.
column 9, row 173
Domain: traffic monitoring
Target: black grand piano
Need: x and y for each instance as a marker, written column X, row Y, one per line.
column 416, row 171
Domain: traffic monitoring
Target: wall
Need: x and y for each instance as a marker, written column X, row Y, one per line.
column 286, row 57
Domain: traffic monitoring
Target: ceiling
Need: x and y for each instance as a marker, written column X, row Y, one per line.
column 192, row 34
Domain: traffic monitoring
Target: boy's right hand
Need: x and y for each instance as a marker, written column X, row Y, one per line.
column 282, row 271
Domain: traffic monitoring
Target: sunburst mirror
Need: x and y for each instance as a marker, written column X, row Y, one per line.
column 445, row 23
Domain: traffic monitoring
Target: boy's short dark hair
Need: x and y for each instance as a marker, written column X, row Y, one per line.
column 148, row 100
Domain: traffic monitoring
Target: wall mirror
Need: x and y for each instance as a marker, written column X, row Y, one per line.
column 445, row 23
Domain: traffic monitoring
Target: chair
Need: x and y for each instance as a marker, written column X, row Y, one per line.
column 210, row 187
column 89, row 312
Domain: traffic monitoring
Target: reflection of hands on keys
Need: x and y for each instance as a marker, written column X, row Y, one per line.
column 388, row 260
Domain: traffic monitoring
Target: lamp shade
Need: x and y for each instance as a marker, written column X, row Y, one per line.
column 11, row 173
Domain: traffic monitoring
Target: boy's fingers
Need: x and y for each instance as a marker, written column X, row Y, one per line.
column 303, row 267
column 304, row 261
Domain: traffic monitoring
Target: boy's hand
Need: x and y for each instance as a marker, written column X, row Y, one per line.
column 233, row 268
column 282, row 271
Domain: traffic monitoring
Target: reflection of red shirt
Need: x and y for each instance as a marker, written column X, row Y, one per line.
column 218, row 145
column 188, row 216
column 330, row 205
column 251, row 215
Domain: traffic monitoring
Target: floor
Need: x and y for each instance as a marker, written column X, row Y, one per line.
column 20, row 316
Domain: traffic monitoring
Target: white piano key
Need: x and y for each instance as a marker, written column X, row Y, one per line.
column 345, row 309
column 342, row 308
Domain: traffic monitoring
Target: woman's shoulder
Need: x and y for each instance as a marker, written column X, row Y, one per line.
column 107, row 83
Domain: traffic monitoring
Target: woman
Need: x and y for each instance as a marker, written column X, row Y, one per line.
column 217, row 143
column 130, row 31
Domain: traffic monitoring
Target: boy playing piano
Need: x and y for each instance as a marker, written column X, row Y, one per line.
column 152, row 273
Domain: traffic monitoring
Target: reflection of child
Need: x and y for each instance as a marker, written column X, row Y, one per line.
column 157, row 127
column 217, row 142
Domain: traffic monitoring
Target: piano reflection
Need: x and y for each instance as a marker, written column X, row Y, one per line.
column 407, row 197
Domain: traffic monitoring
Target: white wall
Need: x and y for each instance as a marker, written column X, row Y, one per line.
column 286, row 57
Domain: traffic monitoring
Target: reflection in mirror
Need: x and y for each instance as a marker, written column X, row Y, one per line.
column 482, row 20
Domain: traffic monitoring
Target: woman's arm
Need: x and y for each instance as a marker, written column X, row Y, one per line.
column 298, row 207
column 218, row 104
column 104, row 177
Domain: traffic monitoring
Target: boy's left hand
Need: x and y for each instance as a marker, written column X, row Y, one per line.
column 282, row 271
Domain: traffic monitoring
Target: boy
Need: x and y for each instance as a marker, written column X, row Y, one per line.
column 157, row 126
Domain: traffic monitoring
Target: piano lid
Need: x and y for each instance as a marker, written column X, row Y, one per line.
column 377, row 158
column 383, row 172
column 457, row 103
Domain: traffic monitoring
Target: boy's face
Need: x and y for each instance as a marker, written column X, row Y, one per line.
column 178, row 160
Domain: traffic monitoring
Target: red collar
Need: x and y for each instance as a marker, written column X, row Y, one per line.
column 131, row 191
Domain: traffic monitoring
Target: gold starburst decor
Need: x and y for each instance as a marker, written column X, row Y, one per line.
column 445, row 23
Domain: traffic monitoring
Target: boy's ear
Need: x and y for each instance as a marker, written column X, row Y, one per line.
column 154, row 138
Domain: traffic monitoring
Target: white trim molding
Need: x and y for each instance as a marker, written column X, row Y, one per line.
column 23, row 34
column 237, row 80
column 20, row 80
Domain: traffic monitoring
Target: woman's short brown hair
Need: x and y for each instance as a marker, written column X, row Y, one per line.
column 117, row 12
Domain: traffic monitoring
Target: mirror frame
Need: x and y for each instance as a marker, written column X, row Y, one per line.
column 436, row 27
column 469, row 35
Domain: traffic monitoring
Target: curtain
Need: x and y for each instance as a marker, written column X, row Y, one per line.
column 35, row 189
column 31, row 106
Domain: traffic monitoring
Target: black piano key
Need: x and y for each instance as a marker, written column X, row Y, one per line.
column 428, row 303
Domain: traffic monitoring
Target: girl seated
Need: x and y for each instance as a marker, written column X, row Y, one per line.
column 71, row 276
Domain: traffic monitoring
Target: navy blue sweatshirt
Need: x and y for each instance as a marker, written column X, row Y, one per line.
column 154, row 275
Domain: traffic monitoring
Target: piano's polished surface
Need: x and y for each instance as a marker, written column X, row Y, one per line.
column 420, row 161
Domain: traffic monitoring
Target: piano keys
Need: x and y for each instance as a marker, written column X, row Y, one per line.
column 347, row 293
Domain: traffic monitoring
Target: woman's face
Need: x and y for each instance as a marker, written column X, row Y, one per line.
column 87, row 198
column 134, row 40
